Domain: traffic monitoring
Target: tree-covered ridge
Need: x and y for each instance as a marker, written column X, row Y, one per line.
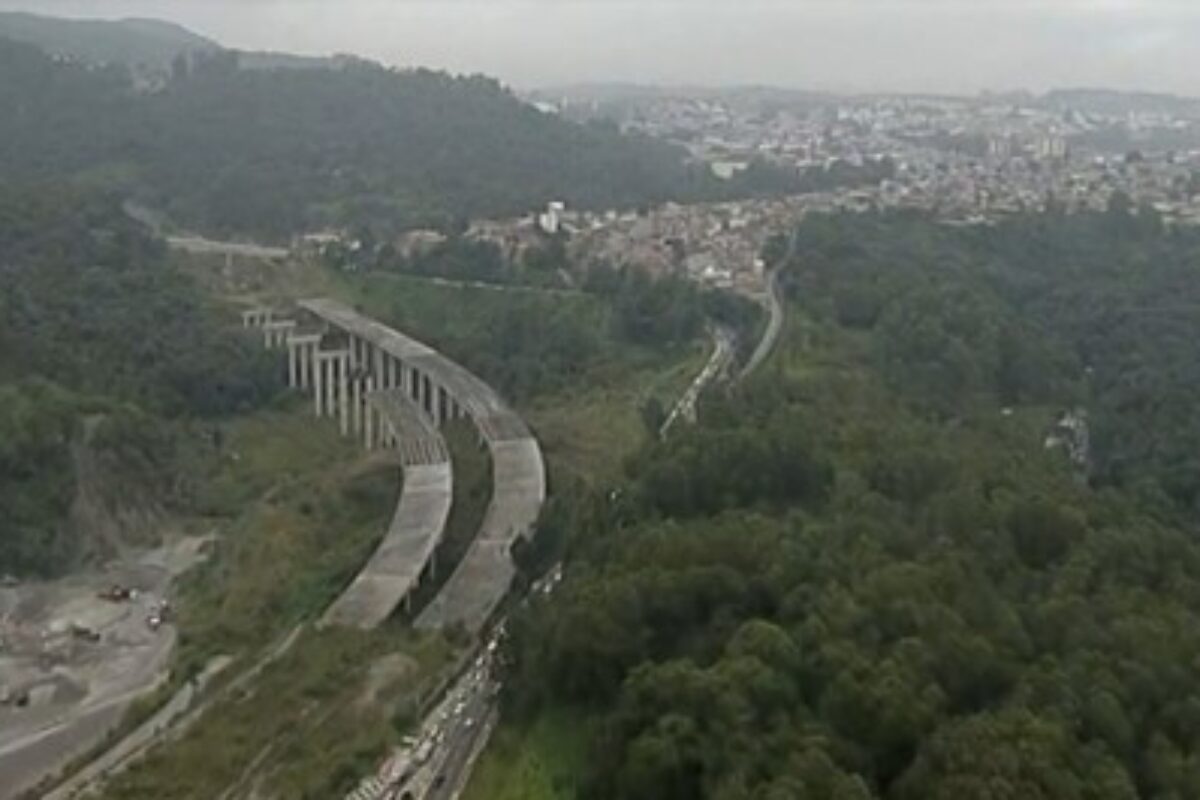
column 105, row 349
column 90, row 301
column 146, row 44
column 1100, row 312
column 279, row 151
column 843, row 584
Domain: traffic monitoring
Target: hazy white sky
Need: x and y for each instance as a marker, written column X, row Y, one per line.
column 931, row 45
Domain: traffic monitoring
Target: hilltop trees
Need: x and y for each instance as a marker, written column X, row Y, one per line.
column 1096, row 310
column 274, row 152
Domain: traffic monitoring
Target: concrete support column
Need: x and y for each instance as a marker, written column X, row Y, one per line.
column 256, row 317
column 390, row 381
column 275, row 334
column 369, row 415
column 436, row 402
column 329, row 379
column 293, row 378
column 378, row 368
column 343, row 367
column 356, row 401
column 318, row 374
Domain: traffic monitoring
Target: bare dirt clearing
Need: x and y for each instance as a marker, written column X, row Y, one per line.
column 74, row 653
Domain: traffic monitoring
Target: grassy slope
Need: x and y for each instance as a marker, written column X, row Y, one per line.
column 589, row 432
column 534, row 763
column 299, row 509
column 311, row 724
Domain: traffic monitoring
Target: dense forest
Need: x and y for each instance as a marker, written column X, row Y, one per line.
column 275, row 152
column 863, row 574
column 1093, row 311
column 104, row 348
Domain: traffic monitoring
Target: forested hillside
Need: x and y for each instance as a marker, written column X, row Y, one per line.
column 864, row 575
column 143, row 44
column 105, row 349
column 274, row 152
column 1100, row 312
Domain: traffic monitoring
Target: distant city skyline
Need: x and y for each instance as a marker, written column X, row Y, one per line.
column 951, row 46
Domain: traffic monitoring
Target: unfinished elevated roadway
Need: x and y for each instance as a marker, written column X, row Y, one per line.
column 409, row 548
column 392, row 389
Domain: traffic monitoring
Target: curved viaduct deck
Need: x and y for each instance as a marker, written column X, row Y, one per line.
column 377, row 356
column 486, row 571
column 395, row 569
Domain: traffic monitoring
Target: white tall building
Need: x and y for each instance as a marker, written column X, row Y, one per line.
column 550, row 220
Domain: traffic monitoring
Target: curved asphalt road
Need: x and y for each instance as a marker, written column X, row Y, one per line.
column 774, row 327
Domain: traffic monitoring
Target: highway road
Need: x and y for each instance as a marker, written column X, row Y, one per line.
column 717, row 364
column 774, row 327
column 198, row 245
column 510, row 288
column 436, row 762
column 170, row 722
column 139, row 740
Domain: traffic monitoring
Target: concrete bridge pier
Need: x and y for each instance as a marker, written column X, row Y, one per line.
column 343, row 385
column 275, row 332
column 317, row 364
column 368, row 414
column 378, row 368
column 439, row 399
column 333, row 390
column 300, row 358
column 406, row 379
column 420, row 392
column 356, row 400
column 256, row 317
column 329, row 381
column 293, row 372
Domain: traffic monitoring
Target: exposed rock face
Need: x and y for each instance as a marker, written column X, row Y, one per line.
column 113, row 508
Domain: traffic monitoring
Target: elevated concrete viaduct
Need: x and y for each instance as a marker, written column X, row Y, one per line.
column 395, row 391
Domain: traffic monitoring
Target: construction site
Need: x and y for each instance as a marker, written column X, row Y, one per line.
column 74, row 653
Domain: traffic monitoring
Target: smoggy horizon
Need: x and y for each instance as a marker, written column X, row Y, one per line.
column 934, row 46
